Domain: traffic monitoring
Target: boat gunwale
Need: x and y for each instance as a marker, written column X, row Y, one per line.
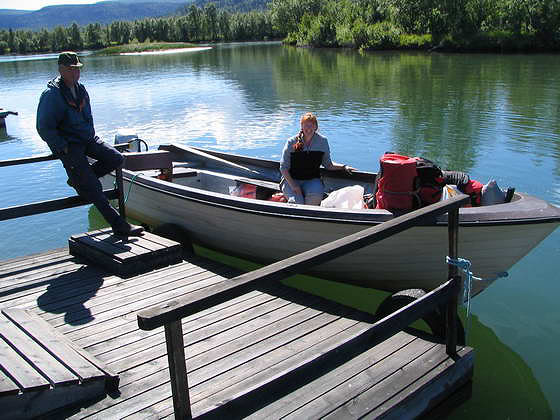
column 356, row 217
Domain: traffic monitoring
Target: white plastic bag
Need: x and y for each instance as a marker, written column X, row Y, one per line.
column 345, row 198
column 492, row 194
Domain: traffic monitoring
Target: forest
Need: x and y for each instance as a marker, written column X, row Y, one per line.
column 456, row 25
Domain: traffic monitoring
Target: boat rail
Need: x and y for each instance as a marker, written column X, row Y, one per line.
column 31, row 209
column 170, row 314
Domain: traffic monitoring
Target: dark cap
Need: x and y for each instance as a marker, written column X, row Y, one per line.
column 69, row 58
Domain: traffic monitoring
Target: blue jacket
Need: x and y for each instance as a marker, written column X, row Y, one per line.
column 61, row 119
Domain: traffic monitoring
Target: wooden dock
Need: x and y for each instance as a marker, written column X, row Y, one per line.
column 199, row 339
column 244, row 348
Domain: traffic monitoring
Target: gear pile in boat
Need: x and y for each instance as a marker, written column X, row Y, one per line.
column 407, row 183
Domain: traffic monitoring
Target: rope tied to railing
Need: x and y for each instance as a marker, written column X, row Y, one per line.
column 465, row 265
column 129, row 187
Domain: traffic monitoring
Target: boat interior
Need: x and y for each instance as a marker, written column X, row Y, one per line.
column 236, row 175
column 224, row 177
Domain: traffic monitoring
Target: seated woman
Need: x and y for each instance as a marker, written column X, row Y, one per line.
column 301, row 159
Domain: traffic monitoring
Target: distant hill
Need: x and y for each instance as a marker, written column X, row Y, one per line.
column 236, row 5
column 109, row 11
column 102, row 12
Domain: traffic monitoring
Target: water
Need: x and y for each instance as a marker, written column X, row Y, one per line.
column 495, row 117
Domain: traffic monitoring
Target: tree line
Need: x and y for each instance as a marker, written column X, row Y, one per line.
column 193, row 24
column 455, row 24
column 495, row 25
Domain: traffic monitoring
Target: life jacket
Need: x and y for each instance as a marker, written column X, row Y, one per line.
column 278, row 197
column 474, row 189
column 245, row 190
column 406, row 183
column 465, row 184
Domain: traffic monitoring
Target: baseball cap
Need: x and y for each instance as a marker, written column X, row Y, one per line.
column 69, row 58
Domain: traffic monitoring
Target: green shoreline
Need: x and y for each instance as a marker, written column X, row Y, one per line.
column 143, row 47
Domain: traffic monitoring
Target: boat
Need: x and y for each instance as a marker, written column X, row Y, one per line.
column 197, row 191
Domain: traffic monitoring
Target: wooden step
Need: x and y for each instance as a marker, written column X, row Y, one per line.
column 42, row 370
column 125, row 256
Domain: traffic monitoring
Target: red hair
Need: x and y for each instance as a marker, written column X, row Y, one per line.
column 309, row 117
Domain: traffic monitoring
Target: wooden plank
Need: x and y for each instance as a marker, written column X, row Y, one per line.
column 152, row 159
column 133, row 256
column 134, row 389
column 357, row 336
column 26, row 261
column 260, row 183
column 131, row 300
column 376, row 400
column 88, row 245
column 41, row 360
column 133, row 244
column 104, row 260
column 39, row 326
column 339, row 376
column 47, row 206
column 151, row 253
column 60, row 350
column 37, row 404
column 30, row 159
column 178, row 370
column 160, row 240
column 7, row 385
column 341, row 388
column 26, row 276
column 206, row 343
column 102, row 291
column 137, row 341
column 19, row 370
column 32, row 283
column 122, row 335
column 278, row 368
column 222, row 364
column 158, row 316
column 94, row 332
column 424, row 394
column 128, row 308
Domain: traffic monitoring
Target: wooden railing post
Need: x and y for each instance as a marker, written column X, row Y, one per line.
column 451, row 307
column 120, row 187
column 178, row 370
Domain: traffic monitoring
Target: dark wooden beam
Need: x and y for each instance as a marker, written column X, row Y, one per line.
column 228, row 289
column 178, row 370
column 451, row 306
column 48, row 206
column 32, row 159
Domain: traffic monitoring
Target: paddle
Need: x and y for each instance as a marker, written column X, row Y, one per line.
column 217, row 159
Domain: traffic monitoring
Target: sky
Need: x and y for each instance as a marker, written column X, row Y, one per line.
column 38, row 4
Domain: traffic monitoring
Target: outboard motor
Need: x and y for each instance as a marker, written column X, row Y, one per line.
column 127, row 136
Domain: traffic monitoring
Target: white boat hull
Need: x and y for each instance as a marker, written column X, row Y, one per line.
column 411, row 259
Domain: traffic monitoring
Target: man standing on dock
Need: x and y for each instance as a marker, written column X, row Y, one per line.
column 65, row 123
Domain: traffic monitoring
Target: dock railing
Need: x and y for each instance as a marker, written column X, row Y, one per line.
column 169, row 315
column 59, row 203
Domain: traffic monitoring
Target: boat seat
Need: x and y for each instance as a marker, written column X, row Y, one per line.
column 179, row 172
column 260, row 183
column 153, row 159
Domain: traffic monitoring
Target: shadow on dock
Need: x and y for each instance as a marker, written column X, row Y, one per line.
column 69, row 293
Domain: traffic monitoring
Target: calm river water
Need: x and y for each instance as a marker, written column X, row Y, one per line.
column 495, row 117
